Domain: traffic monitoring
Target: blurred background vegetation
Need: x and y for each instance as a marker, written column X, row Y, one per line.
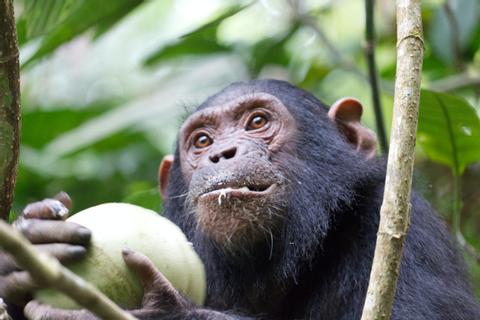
column 105, row 85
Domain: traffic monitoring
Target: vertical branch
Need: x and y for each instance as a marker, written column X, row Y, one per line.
column 9, row 106
column 9, row 113
column 454, row 35
column 373, row 73
column 395, row 210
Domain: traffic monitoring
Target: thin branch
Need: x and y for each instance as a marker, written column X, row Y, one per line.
column 458, row 81
column 373, row 74
column 48, row 272
column 334, row 54
column 454, row 35
column 9, row 107
column 395, row 210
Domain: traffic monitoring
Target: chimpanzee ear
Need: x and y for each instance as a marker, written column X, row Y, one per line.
column 346, row 113
column 163, row 174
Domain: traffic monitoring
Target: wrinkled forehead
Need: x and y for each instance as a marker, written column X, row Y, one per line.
column 235, row 92
column 291, row 96
column 232, row 103
column 297, row 102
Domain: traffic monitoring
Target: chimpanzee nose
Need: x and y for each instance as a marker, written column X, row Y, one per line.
column 226, row 154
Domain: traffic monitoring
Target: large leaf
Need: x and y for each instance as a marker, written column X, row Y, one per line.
column 449, row 130
column 39, row 127
column 201, row 41
column 89, row 14
column 42, row 16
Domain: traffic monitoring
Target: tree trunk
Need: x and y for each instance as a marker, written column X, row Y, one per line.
column 9, row 107
column 9, row 114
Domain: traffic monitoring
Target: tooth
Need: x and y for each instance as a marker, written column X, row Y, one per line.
column 223, row 194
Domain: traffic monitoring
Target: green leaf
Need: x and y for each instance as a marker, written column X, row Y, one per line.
column 42, row 16
column 466, row 13
column 12, row 216
column 87, row 15
column 39, row 127
column 449, row 130
column 271, row 51
column 201, row 41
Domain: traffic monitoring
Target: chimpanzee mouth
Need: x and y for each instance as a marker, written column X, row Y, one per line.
column 222, row 192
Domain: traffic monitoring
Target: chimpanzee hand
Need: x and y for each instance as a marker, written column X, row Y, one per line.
column 42, row 223
column 160, row 298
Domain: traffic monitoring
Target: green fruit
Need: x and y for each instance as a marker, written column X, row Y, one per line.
column 116, row 226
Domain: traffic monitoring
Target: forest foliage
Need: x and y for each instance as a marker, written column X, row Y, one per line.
column 105, row 85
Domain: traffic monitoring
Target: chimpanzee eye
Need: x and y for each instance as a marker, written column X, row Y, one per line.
column 257, row 121
column 202, row 140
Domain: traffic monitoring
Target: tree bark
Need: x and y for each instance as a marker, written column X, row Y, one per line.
column 395, row 210
column 9, row 113
column 9, row 107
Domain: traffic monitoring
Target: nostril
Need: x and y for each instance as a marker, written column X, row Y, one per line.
column 214, row 159
column 226, row 154
column 230, row 153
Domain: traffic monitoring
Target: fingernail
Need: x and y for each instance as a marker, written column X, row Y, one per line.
column 126, row 251
column 58, row 209
column 84, row 234
column 77, row 251
column 64, row 198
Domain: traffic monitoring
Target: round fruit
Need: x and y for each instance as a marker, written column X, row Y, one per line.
column 116, row 226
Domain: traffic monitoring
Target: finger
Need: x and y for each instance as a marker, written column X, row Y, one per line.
column 62, row 251
column 158, row 291
column 48, row 231
column 64, row 198
column 46, row 209
column 143, row 267
column 37, row 311
column 7, row 264
column 17, row 287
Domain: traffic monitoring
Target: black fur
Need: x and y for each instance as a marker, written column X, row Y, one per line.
column 321, row 261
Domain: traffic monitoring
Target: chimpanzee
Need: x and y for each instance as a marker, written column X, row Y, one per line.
column 280, row 197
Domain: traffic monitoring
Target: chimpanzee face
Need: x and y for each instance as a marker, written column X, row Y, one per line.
column 229, row 159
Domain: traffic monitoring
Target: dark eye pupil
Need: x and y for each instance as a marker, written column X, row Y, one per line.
column 202, row 141
column 257, row 122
